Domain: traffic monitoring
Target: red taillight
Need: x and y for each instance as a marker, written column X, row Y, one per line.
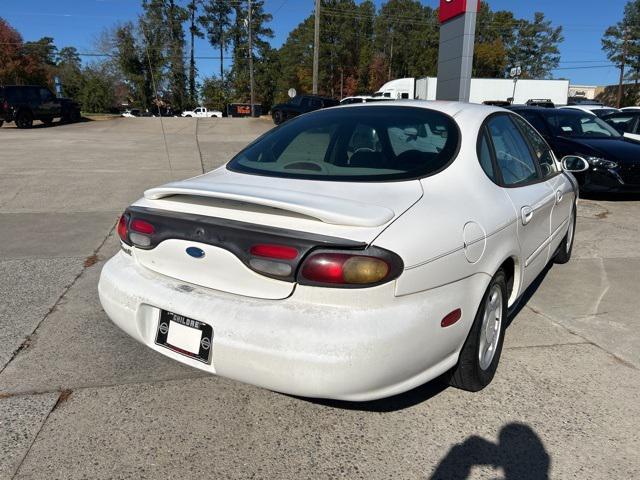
column 344, row 268
column 279, row 252
column 142, row 226
column 122, row 228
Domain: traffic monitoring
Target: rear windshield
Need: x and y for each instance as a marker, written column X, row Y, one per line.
column 364, row 143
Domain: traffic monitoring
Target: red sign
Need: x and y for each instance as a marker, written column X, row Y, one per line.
column 452, row 8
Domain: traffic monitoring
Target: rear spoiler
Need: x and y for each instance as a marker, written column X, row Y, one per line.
column 327, row 209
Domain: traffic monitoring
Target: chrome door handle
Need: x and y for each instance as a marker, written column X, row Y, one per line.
column 559, row 196
column 527, row 215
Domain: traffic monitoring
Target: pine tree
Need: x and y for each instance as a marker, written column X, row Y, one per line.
column 217, row 23
column 194, row 32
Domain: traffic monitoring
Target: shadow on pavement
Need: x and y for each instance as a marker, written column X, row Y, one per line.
column 519, row 453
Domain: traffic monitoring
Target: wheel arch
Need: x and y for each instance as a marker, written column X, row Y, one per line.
column 512, row 268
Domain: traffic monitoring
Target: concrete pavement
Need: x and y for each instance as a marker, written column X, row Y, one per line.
column 79, row 399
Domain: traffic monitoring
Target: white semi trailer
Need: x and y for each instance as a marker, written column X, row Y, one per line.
column 482, row 90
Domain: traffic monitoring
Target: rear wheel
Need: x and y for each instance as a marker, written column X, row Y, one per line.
column 24, row 119
column 563, row 255
column 1, row 123
column 47, row 121
column 480, row 354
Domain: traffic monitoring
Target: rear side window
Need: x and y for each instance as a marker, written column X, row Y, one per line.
column 14, row 95
column 367, row 143
column 484, row 155
column 513, row 156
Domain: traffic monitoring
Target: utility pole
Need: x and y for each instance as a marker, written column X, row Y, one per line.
column 623, row 61
column 316, row 48
column 251, row 58
column 192, row 60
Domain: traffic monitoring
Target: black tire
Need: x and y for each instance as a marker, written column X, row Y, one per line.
column 563, row 254
column 76, row 116
column 278, row 117
column 188, row 116
column 47, row 121
column 24, row 119
column 469, row 374
column 1, row 123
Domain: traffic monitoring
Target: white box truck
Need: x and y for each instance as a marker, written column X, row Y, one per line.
column 482, row 90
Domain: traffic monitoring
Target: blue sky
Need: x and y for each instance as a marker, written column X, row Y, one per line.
column 79, row 22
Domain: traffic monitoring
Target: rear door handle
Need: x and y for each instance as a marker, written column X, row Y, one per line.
column 527, row 214
column 559, row 196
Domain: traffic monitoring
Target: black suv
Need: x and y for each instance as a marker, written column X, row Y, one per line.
column 298, row 105
column 24, row 104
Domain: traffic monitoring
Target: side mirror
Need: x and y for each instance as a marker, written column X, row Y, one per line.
column 574, row 164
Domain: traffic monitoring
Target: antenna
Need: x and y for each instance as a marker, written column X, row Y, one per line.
column 155, row 89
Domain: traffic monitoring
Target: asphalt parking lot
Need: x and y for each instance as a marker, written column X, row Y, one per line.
column 80, row 399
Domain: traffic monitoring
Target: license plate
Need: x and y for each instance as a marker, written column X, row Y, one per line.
column 184, row 335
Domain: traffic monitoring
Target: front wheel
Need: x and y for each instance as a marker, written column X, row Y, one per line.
column 563, row 255
column 278, row 117
column 1, row 123
column 480, row 354
column 47, row 121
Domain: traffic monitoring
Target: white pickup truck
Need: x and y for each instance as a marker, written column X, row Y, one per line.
column 202, row 112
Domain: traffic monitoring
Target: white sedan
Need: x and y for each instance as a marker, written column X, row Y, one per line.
column 351, row 253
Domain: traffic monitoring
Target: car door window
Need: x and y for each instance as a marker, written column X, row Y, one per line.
column 45, row 95
column 622, row 123
column 514, row 158
column 535, row 120
column 33, row 95
column 542, row 151
column 484, row 155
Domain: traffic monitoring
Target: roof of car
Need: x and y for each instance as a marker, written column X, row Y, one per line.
column 547, row 111
column 589, row 107
column 449, row 107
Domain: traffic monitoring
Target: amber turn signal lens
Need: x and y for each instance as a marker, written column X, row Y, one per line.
column 362, row 270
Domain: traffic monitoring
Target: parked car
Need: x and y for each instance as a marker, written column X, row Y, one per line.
column 630, row 109
column 300, row 104
column 356, row 99
column 614, row 160
column 596, row 109
column 24, row 104
column 202, row 112
column 352, row 253
column 627, row 123
column 132, row 113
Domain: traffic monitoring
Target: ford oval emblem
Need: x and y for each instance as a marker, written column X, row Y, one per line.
column 195, row 252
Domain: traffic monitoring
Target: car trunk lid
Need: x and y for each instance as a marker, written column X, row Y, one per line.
column 224, row 214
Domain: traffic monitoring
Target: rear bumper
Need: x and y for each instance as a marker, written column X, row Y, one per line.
column 361, row 346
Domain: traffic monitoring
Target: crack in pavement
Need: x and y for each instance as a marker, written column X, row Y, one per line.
column 586, row 340
column 25, row 344
column 77, row 388
column 26, row 453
